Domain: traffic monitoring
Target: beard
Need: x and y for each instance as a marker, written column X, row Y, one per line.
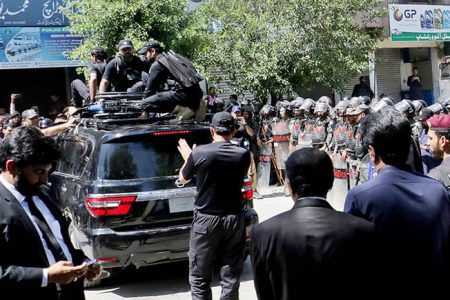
column 25, row 187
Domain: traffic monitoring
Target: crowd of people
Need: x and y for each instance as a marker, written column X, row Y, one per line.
column 390, row 158
column 275, row 131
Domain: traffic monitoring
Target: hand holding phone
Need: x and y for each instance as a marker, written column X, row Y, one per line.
column 90, row 262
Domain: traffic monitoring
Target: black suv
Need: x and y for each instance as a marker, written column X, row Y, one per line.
column 116, row 183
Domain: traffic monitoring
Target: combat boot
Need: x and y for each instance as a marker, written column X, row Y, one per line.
column 182, row 113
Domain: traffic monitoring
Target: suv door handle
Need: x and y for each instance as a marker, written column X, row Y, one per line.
column 63, row 188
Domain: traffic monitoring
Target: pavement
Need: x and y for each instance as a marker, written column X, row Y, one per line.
column 170, row 282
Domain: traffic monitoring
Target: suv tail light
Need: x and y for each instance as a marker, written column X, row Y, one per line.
column 109, row 206
column 247, row 189
column 171, row 132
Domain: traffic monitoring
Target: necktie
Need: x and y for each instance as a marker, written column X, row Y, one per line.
column 49, row 237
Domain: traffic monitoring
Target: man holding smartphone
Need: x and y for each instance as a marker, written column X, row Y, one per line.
column 37, row 258
column 415, row 85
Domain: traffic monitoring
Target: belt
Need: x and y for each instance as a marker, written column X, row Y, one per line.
column 281, row 138
column 264, row 158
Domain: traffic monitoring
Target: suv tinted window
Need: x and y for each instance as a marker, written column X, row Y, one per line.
column 76, row 155
column 145, row 156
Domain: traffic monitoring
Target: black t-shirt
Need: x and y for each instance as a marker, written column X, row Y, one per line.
column 123, row 74
column 98, row 69
column 221, row 168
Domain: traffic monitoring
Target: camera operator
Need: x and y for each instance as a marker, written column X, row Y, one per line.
column 245, row 133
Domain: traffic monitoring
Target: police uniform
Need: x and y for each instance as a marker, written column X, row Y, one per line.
column 218, row 229
column 164, row 92
column 320, row 135
column 265, row 155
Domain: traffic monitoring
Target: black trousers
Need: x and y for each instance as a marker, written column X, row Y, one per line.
column 80, row 92
column 166, row 101
column 216, row 239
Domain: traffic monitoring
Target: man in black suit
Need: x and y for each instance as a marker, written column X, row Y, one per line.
column 37, row 258
column 410, row 211
column 313, row 251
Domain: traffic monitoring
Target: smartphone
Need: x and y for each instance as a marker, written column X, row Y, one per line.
column 90, row 262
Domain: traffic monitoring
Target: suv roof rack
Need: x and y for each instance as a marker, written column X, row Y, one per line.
column 120, row 108
column 109, row 121
column 120, row 95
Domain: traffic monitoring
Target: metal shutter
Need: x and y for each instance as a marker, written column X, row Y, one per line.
column 387, row 70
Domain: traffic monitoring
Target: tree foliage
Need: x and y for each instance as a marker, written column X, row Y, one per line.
column 273, row 47
column 267, row 47
column 105, row 22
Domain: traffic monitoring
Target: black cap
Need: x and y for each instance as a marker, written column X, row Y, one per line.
column 151, row 44
column 144, row 49
column 29, row 114
column 124, row 44
column 223, row 122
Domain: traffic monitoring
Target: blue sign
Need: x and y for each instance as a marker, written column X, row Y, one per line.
column 32, row 13
column 37, row 47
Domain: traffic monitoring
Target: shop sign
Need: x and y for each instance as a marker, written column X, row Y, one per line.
column 37, row 47
column 32, row 13
column 417, row 23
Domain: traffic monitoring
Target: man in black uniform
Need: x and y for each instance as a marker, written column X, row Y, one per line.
column 123, row 71
column 218, row 229
column 160, row 75
column 79, row 89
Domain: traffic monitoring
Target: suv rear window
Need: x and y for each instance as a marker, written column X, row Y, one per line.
column 145, row 156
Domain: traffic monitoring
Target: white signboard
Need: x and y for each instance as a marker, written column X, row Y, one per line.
column 419, row 22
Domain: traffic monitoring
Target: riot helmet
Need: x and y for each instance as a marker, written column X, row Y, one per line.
column 446, row 103
column 365, row 100
column 438, row 108
column 384, row 102
column 324, row 99
column 321, row 107
column 341, row 107
column 268, row 111
column 418, row 105
column 297, row 102
column 405, row 107
column 308, row 105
